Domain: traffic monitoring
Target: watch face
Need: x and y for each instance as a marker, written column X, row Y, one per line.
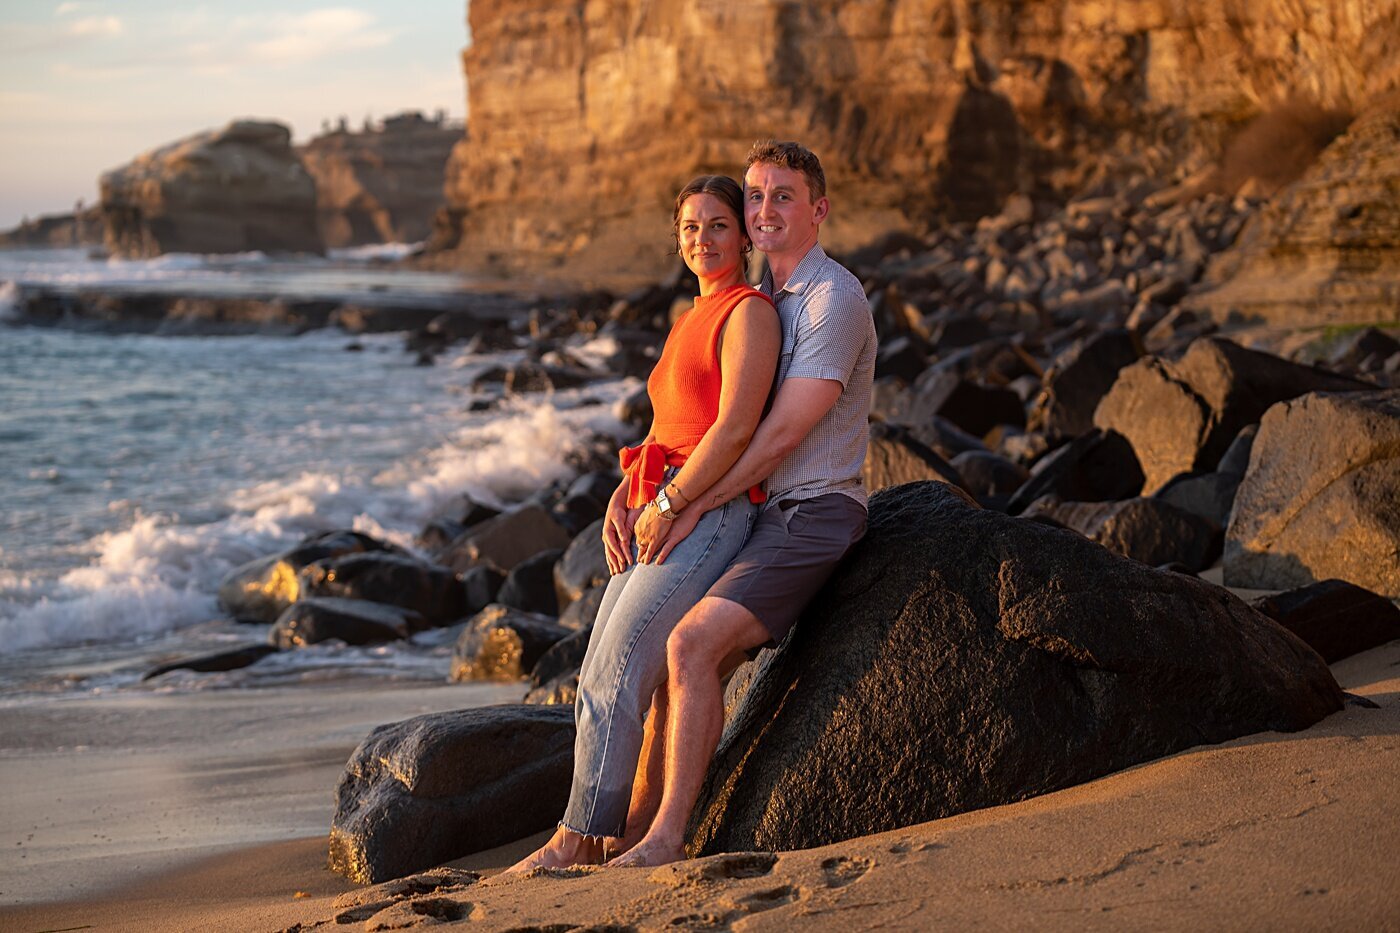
column 663, row 502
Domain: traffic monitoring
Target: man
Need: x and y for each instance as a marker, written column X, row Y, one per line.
column 810, row 448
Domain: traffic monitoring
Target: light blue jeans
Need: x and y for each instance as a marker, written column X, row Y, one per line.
column 626, row 662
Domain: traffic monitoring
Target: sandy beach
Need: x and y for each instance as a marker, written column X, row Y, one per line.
column 209, row 813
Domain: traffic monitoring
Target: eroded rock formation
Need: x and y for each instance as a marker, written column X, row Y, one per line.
column 232, row 190
column 380, row 186
column 587, row 115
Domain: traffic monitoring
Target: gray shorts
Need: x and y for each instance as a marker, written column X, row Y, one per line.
column 795, row 546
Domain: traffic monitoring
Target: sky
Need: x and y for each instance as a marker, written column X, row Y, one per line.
column 86, row 85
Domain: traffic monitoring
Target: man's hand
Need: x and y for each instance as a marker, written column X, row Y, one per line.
column 652, row 531
column 618, row 523
column 680, row 529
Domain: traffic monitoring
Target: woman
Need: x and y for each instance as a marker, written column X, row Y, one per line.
column 708, row 391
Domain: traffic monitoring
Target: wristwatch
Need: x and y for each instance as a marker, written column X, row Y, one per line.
column 663, row 504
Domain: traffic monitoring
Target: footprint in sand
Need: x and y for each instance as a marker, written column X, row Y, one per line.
column 841, row 870
column 368, row 902
column 731, row 866
column 416, row 911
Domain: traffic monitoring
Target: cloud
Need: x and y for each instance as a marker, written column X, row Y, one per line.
column 67, row 9
column 96, row 26
column 317, row 33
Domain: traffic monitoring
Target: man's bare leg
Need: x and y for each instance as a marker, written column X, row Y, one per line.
column 696, row 652
column 564, row 849
column 646, row 786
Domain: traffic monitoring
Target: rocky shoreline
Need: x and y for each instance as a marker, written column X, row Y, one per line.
column 1045, row 401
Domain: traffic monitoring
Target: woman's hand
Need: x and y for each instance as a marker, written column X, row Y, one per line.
column 651, row 532
column 618, row 521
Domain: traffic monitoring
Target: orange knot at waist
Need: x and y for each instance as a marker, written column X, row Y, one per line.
column 645, row 466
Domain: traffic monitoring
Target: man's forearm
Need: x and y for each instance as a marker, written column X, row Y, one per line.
column 765, row 451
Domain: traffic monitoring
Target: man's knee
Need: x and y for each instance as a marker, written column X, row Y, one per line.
column 711, row 632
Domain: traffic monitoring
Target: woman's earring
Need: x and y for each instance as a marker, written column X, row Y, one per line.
column 748, row 248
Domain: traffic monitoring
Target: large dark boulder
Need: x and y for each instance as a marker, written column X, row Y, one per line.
column 974, row 408
column 260, row 590
column 1096, row 467
column 1337, row 619
column 564, row 656
column 433, row 592
column 501, row 643
column 434, row 788
column 231, row 659
column 1079, row 379
column 1181, row 415
column 451, row 519
column 1321, row 498
column 353, row 621
column 962, row 659
column 506, row 540
column 894, row 456
column 530, row 586
column 584, row 564
column 1148, row 530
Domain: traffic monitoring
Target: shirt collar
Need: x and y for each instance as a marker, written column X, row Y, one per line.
column 807, row 268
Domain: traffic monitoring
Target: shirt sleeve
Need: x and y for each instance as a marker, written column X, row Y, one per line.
column 830, row 335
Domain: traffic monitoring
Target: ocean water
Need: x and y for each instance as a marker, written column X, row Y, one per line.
column 137, row 470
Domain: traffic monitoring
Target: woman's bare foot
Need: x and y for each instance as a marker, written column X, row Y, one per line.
column 563, row 850
column 650, row 852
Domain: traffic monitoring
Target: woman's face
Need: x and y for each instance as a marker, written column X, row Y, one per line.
column 711, row 237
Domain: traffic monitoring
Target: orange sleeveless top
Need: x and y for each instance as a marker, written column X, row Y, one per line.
column 684, row 389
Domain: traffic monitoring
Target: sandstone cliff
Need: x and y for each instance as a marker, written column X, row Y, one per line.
column 587, row 115
column 1327, row 248
column 383, row 185
column 224, row 191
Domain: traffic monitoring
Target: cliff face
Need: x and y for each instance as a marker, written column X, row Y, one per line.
column 1326, row 248
column 586, row 116
column 380, row 186
column 224, row 191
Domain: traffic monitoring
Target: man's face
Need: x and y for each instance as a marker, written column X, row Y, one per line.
column 778, row 209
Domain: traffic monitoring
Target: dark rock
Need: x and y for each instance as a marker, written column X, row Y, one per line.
column 353, row 621
column 558, row 691
column 636, row 409
column 1078, row 380
column 962, row 659
column 231, row 660
column 576, row 512
column 584, row 565
column 437, row 787
column 1235, row 462
column 434, row 593
column 1180, row 416
column 535, row 377
column 894, row 457
column 260, row 590
column 479, row 587
column 530, row 585
column 582, row 612
column 988, row 475
column 974, row 408
column 451, row 519
column 947, row 439
column 1207, row 495
column 1337, row 619
column 1353, row 701
column 599, row 485
column 1096, row 467
column 501, row 643
column 1370, row 344
column 1147, row 530
column 506, row 540
column 1321, row 498
column 901, row 357
column 564, row 656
